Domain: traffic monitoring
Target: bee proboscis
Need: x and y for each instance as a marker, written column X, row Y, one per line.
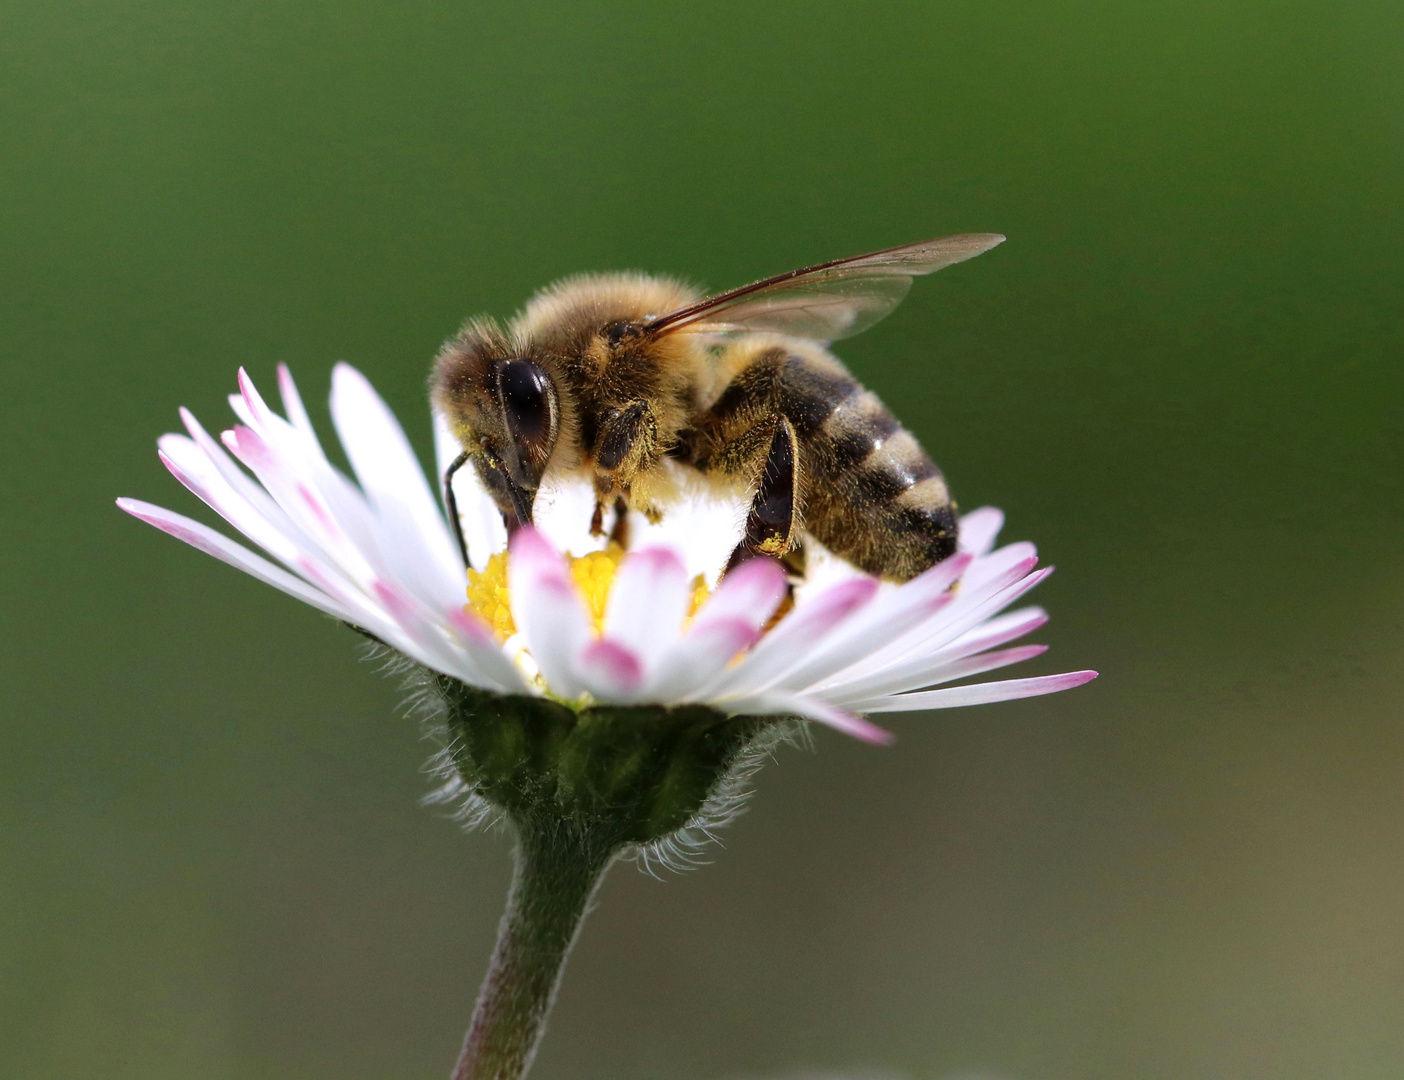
column 611, row 375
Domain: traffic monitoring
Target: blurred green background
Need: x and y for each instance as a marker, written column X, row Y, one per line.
column 1181, row 376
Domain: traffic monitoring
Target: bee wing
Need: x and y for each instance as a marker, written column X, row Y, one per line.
column 829, row 301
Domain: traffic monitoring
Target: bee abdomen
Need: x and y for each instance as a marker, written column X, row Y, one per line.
column 872, row 494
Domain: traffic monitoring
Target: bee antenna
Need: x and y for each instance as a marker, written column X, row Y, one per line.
column 451, row 504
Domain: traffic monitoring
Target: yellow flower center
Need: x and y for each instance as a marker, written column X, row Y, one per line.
column 490, row 600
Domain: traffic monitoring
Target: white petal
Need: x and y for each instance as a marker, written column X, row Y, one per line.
column 562, row 513
column 611, row 672
column 221, row 547
column 793, row 640
column 989, row 567
column 699, row 657
column 979, row 528
column 242, row 410
column 478, row 641
column 890, row 615
column 781, row 704
column 412, row 535
column 701, row 523
column 292, row 405
column 728, row 621
column 981, row 693
column 647, row 601
column 547, row 610
column 935, row 674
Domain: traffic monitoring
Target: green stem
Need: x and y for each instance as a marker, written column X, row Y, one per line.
column 557, row 871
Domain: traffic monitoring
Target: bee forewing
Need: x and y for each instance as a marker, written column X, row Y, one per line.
column 829, row 301
column 820, row 311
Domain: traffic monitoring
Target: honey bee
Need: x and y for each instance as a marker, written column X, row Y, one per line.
column 610, row 376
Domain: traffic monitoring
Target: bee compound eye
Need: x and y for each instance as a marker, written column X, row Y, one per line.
column 525, row 390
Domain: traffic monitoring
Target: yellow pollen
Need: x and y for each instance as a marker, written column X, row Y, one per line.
column 488, row 597
column 490, row 600
column 594, row 574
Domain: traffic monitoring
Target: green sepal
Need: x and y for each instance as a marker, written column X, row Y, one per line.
column 626, row 774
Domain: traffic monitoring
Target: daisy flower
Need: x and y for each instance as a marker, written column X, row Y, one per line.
column 559, row 614
column 602, row 699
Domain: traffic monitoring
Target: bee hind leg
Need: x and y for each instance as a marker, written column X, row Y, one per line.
column 771, row 526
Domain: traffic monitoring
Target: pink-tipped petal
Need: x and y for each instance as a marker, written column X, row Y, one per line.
column 532, row 553
column 751, row 592
column 914, row 668
column 700, row 656
column 979, row 528
column 890, row 616
column 272, row 531
column 997, row 564
column 259, row 409
column 205, row 539
column 781, row 704
column 647, row 601
column 969, row 610
column 994, row 632
column 431, row 645
column 793, row 641
column 861, row 697
column 292, row 405
column 234, row 476
column 547, row 610
column 477, row 640
column 609, row 671
column 981, row 693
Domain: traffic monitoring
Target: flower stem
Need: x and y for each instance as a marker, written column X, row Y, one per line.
column 558, row 869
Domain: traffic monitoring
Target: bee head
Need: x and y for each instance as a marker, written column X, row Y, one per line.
column 505, row 412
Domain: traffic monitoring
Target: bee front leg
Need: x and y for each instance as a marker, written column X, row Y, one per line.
column 627, row 445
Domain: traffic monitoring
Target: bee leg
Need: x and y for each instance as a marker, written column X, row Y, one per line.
column 597, row 519
column 627, row 444
column 793, row 564
column 620, row 533
column 770, row 524
column 451, row 505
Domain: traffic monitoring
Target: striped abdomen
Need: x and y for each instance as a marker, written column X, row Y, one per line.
column 864, row 486
column 869, row 491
